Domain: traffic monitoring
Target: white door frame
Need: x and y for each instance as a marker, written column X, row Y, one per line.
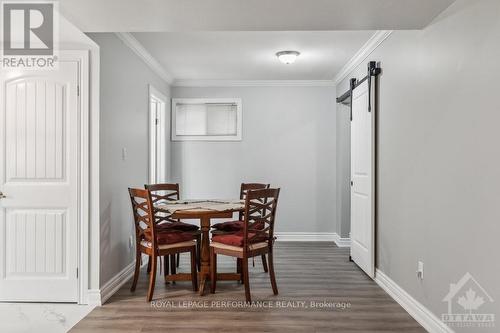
column 82, row 57
column 157, row 144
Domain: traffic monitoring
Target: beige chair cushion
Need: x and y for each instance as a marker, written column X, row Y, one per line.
column 237, row 248
column 169, row 246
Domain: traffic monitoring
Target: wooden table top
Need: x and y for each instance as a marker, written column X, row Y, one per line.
column 201, row 206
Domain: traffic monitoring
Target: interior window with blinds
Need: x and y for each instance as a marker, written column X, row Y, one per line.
column 206, row 119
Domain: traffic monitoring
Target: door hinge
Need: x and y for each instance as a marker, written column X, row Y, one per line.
column 352, row 183
column 157, row 121
column 78, row 90
column 77, row 273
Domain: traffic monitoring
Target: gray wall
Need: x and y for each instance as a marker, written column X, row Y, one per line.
column 439, row 153
column 343, row 170
column 288, row 141
column 71, row 38
column 123, row 124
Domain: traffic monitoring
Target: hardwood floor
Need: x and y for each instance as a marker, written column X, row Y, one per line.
column 306, row 272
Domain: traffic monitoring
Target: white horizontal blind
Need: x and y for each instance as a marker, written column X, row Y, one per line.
column 191, row 119
column 206, row 120
column 221, row 119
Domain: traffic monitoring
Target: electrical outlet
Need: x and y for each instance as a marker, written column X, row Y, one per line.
column 420, row 270
column 124, row 154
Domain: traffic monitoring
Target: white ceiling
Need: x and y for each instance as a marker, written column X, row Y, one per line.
column 238, row 39
column 250, row 15
column 251, row 55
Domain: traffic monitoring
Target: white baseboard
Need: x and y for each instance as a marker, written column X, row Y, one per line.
column 419, row 312
column 94, row 297
column 313, row 237
column 304, row 237
column 342, row 241
column 98, row 297
column 116, row 282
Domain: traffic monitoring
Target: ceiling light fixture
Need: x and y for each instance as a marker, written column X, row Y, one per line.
column 287, row 57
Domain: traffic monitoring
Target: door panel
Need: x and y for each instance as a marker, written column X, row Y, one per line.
column 362, row 176
column 36, row 241
column 39, row 176
column 34, row 125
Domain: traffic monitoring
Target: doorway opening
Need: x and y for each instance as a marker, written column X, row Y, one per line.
column 157, row 137
column 360, row 100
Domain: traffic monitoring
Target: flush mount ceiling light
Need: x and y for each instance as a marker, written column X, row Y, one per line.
column 287, row 57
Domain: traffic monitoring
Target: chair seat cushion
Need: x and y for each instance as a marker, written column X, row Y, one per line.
column 251, row 247
column 177, row 225
column 236, row 226
column 169, row 237
column 170, row 246
column 236, row 239
column 229, row 226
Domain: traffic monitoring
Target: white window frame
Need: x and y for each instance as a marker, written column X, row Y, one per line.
column 239, row 122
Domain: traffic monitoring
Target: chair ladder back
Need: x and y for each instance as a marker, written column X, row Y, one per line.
column 142, row 207
column 259, row 217
column 163, row 193
column 245, row 187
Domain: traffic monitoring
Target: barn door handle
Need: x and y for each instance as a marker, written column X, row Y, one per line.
column 2, row 196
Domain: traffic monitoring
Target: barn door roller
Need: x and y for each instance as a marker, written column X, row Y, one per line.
column 373, row 71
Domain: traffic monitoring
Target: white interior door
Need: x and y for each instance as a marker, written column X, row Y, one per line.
column 362, row 180
column 39, row 154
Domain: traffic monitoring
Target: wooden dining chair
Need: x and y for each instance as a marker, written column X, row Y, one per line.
column 162, row 194
column 260, row 210
column 228, row 227
column 154, row 243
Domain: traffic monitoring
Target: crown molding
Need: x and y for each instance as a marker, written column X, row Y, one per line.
column 253, row 83
column 363, row 53
column 374, row 41
column 138, row 49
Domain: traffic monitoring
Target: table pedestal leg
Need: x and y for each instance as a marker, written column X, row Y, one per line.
column 205, row 253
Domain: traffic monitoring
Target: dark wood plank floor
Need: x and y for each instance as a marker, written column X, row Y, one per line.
column 306, row 272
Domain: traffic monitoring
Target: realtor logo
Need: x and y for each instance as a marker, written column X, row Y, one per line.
column 466, row 299
column 29, row 34
column 28, row 28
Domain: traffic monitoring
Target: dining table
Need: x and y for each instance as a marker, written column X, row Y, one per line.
column 204, row 211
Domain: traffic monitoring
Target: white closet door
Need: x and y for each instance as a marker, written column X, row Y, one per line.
column 362, row 177
column 39, row 150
